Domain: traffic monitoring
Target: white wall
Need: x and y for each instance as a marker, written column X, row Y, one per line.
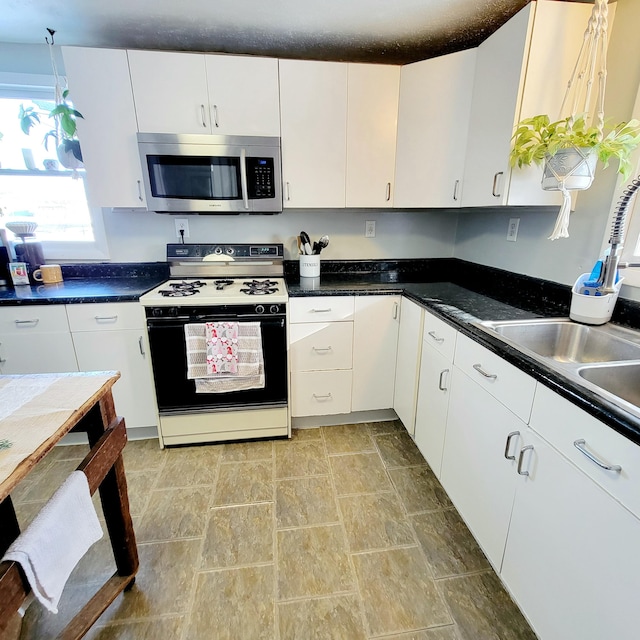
column 140, row 236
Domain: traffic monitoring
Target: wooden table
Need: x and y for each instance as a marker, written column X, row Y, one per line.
column 36, row 411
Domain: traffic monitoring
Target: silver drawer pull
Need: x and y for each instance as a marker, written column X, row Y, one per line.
column 322, row 350
column 106, row 318
column 521, row 459
column 320, row 310
column 434, row 335
column 507, row 446
column 480, row 370
column 141, row 346
column 32, row 323
column 324, row 397
column 441, row 380
column 580, row 446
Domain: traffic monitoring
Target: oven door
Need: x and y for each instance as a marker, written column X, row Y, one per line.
column 176, row 393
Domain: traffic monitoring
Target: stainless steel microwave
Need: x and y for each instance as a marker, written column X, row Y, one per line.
column 211, row 174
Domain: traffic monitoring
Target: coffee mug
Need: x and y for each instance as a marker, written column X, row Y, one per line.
column 48, row 273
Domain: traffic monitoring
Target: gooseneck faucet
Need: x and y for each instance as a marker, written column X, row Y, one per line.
column 612, row 262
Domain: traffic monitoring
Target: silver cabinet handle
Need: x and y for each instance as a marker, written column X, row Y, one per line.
column 288, row 185
column 105, row 318
column 507, row 446
column 202, row 113
column 2, row 359
column 455, row 189
column 479, row 369
column 495, row 184
column 441, row 380
column 434, row 335
column 395, row 310
column 388, row 196
column 140, row 190
column 141, row 346
column 580, row 445
column 322, row 350
column 215, row 116
column 320, row 310
column 521, row 459
column 327, row 396
column 32, row 323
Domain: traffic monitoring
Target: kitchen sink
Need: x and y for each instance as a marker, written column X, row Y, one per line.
column 566, row 341
column 621, row 380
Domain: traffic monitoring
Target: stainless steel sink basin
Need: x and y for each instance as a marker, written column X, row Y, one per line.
column 621, row 380
column 566, row 341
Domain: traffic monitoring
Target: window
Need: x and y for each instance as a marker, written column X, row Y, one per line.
column 35, row 186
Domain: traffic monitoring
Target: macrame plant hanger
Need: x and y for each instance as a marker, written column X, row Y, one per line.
column 576, row 104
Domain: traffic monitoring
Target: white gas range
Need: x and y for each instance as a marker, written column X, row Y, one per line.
column 241, row 285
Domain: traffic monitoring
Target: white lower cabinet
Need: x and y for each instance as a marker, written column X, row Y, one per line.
column 112, row 336
column 571, row 560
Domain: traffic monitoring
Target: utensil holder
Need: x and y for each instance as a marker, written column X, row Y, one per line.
column 592, row 309
column 310, row 266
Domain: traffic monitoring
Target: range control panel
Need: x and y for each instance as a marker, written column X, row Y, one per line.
column 198, row 252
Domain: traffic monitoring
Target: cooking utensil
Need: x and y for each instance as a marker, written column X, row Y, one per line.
column 306, row 242
column 300, row 247
column 323, row 243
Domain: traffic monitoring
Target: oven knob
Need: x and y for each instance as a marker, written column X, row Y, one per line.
column 259, row 308
column 218, row 251
column 274, row 308
column 230, row 251
column 156, row 312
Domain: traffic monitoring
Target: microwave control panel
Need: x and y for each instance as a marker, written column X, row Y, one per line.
column 260, row 178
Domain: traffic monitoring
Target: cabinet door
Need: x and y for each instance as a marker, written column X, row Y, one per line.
column 432, row 406
column 243, row 95
column 122, row 351
column 433, row 115
column 372, row 116
column 500, row 69
column 408, row 363
column 170, row 91
column 108, row 130
column 313, row 111
column 571, row 560
column 375, row 342
column 478, row 477
column 37, row 353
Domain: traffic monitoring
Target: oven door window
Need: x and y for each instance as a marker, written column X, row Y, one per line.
column 195, row 177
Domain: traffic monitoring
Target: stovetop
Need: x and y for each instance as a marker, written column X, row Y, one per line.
column 217, row 291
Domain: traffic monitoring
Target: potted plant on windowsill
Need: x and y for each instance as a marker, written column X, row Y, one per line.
column 570, row 149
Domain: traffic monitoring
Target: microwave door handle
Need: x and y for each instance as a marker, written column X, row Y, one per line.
column 243, row 178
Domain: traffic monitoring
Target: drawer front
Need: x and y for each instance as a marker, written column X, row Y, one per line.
column 321, row 309
column 109, row 316
column 321, row 346
column 33, row 319
column 513, row 388
column 320, row 393
column 561, row 424
column 440, row 335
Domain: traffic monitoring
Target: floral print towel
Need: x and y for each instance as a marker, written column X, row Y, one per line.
column 222, row 347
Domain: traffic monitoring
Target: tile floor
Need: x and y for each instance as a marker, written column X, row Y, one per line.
column 340, row 533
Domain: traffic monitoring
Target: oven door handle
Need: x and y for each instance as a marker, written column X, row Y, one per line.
column 153, row 323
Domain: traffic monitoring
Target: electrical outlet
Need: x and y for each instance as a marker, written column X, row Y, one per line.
column 370, row 229
column 182, row 224
column 512, row 230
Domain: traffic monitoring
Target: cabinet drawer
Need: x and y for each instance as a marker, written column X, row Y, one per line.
column 440, row 335
column 320, row 393
column 321, row 346
column 321, row 309
column 562, row 423
column 33, row 319
column 513, row 388
column 108, row 316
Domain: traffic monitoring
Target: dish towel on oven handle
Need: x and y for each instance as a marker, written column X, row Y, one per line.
column 222, row 347
column 250, row 373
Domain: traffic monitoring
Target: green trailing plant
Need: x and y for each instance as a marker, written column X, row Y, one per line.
column 536, row 138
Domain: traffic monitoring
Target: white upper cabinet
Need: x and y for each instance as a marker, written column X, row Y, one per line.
column 313, row 111
column 100, row 88
column 521, row 71
column 433, row 115
column 372, row 113
column 199, row 93
column 243, row 95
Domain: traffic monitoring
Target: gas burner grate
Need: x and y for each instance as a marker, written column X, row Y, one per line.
column 182, row 289
column 260, row 287
column 222, row 284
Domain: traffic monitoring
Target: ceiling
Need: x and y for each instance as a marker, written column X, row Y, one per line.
column 382, row 31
